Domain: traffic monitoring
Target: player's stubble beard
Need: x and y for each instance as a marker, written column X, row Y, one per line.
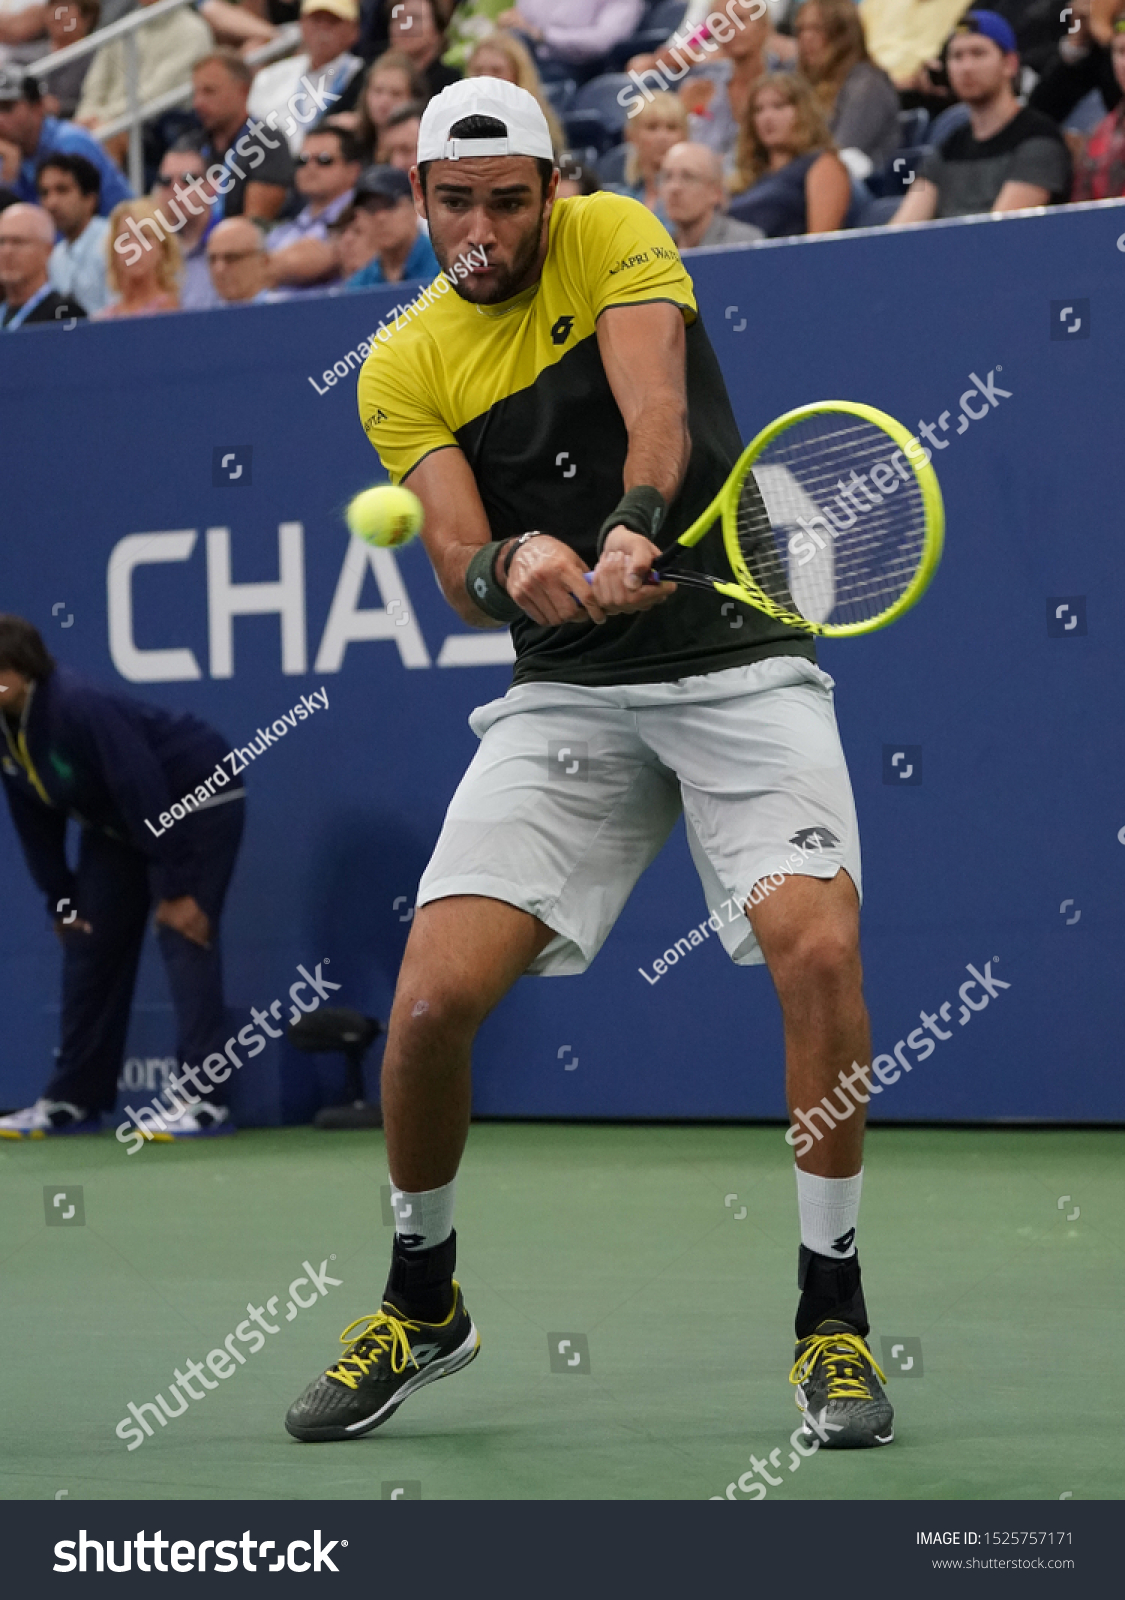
column 510, row 280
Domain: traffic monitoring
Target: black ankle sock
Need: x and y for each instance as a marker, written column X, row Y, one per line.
column 420, row 1284
column 829, row 1289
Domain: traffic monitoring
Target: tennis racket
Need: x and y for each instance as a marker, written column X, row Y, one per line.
column 832, row 521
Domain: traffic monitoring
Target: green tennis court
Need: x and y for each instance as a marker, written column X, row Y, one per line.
column 999, row 1251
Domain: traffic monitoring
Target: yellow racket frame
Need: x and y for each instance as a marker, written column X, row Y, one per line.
column 725, row 504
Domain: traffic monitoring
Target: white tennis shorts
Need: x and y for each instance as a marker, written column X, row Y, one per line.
column 574, row 791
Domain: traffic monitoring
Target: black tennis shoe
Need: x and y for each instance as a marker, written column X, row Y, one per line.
column 388, row 1360
column 838, row 1390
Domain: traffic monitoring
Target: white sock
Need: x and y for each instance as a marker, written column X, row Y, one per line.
column 829, row 1210
column 425, row 1219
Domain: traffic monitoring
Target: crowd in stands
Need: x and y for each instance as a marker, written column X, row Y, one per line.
column 276, row 157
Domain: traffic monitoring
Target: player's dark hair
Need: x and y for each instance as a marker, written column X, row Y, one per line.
column 487, row 128
column 84, row 173
column 22, row 649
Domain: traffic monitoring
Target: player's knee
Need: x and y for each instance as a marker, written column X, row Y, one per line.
column 440, row 1007
column 822, row 956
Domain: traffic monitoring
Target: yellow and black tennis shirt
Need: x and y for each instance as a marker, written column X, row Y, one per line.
column 520, row 389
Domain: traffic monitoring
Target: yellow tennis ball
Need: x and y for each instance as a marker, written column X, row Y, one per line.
column 387, row 516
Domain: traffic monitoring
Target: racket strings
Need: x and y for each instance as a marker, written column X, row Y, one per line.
column 813, row 531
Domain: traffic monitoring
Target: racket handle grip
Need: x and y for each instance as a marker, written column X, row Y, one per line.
column 652, row 577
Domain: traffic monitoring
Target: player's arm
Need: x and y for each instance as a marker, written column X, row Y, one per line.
column 546, row 579
column 643, row 353
column 920, row 204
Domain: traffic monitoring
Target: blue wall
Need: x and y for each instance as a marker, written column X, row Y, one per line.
column 109, row 431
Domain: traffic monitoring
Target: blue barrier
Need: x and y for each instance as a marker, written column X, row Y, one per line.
column 126, row 539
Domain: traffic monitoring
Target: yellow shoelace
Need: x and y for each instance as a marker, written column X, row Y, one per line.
column 839, row 1352
column 377, row 1335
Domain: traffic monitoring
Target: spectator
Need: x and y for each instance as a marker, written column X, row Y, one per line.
column 1006, row 157
column 298, row 91
column 857, row 98
column 501, row 55
column 1083, row 63
column 416, row 28
column 24, row 123
column 1101, row 168
column 401, row 249
column 67, row 22
column 301, row 253
column 574, row 33
column 167, row 48
column 236, row 254
column 390, row 82
column 113, row 764
column 26, row 241
column 22, row 27
column 398, row 146
column 144, row 267
column 469, row 23
column 576, row 178
column 790, row 179
column 220, row 89
column 69, row 191
column 717, row 95
column 659, row 124
column 681, row 54
column 354, row 245
column 192, row 199
column 694, row 194
column 905, row 37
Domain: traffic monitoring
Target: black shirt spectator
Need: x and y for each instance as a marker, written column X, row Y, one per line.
column 259, row 167
column 417, row 28
column 859, row 101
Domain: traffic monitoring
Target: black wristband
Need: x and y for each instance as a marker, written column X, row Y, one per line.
column 641, row 509
column 484, row 588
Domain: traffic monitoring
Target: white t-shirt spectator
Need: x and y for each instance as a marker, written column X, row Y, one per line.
column 76, row 267
column 582, row 30
column 299, row 104
column 167, row 49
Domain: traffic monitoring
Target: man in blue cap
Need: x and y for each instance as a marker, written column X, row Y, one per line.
column 1005, row 157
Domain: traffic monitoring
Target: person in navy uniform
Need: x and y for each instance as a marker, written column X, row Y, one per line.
column 113, row 764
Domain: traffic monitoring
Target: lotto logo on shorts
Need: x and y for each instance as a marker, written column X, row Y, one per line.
column 568, row 759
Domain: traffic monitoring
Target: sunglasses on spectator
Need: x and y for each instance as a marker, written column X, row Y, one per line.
column 321, row 160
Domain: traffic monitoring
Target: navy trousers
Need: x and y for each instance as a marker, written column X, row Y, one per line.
column 114, row 895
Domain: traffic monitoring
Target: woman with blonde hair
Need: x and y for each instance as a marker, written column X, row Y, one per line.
column 661, row 123
column 502, row 55
column 144, row 262
column 859, row 101
column 789, row 178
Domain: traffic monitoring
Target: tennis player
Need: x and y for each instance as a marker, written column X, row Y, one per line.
column 560, row 409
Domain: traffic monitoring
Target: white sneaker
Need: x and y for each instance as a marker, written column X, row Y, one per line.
column 46, row 1118
column 199, row 1122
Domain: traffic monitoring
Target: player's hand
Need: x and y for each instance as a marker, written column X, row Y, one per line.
column 548, row 581
column 186, row 916
column 621, row 577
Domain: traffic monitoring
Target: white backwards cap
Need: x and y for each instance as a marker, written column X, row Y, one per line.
column 527, row 132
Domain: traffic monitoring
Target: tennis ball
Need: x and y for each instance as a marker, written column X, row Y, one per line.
column 387, row 516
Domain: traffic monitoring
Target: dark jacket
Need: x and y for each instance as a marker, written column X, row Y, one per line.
column 53, row 307
column 109, row 762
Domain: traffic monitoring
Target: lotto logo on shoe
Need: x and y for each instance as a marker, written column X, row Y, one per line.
column 402, row 1489
column 64, row 1208
column 570, row 1352
column 902, row 764
column 902, row 1356
column 568, row 759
